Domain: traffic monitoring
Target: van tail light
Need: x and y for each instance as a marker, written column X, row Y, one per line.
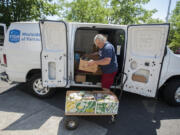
column 5, row 59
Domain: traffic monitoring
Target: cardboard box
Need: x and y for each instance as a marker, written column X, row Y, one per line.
column 79, row 102
column 80, row 78
column 83, row 65
column 106, row 103
column 110, row 107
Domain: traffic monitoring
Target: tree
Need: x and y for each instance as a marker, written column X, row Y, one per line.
column 26, row 10
column 174, row 40
column 154, row 21
column 95, row 11
column 130, row 11
column 107, row 11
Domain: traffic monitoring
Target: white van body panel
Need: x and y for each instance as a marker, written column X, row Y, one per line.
column 22, row 48
column 171, row 66
column 54, row 53
column 144, row 56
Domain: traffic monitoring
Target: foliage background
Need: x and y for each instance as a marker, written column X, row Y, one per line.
column 174, row 37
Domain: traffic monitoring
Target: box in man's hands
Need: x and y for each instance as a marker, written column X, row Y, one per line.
column 83, row 65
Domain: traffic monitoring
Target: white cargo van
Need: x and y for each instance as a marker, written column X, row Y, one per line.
column 49, row 50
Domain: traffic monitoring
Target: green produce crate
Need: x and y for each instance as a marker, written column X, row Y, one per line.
column 91, row 103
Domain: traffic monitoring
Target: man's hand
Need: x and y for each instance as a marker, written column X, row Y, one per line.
column 91, row 62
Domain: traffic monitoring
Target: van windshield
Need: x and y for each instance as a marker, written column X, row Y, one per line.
column 1, row 35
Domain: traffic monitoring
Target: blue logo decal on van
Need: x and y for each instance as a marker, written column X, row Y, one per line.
column 14, row 36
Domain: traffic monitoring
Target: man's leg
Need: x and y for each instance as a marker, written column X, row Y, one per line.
column 107, row 80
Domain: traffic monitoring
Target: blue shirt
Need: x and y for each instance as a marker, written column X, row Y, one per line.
column 108, row 51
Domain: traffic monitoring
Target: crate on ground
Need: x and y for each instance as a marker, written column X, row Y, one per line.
column 106, row 103
column 80, row 102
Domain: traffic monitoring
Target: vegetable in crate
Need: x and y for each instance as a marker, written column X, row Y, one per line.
column 80, row 102
column 106, row 104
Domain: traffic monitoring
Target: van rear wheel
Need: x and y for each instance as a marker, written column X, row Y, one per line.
column 171, row 93
column 35, row 87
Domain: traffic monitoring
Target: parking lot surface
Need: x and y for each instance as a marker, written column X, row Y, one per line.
column 23, row 114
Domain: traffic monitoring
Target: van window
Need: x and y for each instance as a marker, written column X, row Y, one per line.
column 1, row 35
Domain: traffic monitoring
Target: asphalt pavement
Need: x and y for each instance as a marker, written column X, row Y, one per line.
column 23, row 114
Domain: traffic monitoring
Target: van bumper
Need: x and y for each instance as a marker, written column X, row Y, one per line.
column 4, row 77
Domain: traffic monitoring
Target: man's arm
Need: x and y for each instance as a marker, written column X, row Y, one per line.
column 104, row 61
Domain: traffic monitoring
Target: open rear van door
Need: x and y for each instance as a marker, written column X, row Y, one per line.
column 2, row 37
column 54, row 53
column 145, row 50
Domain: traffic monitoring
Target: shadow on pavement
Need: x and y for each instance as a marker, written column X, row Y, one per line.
column 21, row 113
column 26, row 107
column 137, row 115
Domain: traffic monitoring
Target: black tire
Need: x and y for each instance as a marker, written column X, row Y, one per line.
column 71, row 123
column 33, row 79
column 170, row 91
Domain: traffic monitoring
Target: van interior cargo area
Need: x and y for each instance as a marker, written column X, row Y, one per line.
column 84, row 45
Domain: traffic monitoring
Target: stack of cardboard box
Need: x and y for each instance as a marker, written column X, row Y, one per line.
column 80, row 78
column 86, row 69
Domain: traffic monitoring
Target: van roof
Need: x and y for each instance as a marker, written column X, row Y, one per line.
column 80, row 24
column 95, row 23
column 99, row 24
column 84, row 23
column 27, row 22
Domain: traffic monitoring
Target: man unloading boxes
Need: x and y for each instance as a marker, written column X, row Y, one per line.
column 107, row 61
